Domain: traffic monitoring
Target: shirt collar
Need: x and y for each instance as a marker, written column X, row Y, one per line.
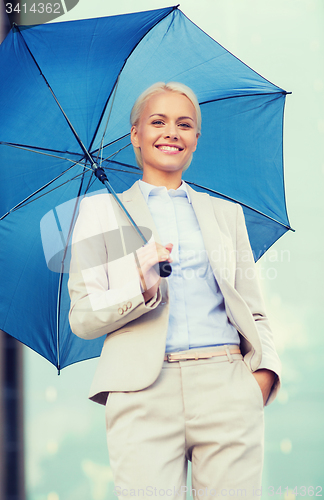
column 151, row 190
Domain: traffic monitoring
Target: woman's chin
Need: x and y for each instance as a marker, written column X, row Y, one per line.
column 162, row 168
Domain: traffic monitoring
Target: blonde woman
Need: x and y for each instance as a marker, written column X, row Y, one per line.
column 189, row 361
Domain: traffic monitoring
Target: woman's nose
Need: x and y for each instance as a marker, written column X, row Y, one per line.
column 171, row 132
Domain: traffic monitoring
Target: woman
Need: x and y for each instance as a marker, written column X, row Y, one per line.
column 172, row 363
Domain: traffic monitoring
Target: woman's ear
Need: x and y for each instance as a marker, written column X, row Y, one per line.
column 134, row 136
column 197, row 137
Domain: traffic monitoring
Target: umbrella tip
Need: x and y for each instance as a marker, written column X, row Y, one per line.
column 58, row 370
column 15, row 28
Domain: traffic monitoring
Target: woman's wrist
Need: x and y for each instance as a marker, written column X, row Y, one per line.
column 148, row 295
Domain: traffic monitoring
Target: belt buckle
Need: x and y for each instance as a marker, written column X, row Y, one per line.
column 169, row 358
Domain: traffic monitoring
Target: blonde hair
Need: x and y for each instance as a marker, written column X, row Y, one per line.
column 156, row 88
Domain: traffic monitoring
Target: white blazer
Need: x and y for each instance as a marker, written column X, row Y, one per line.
column 106, row 298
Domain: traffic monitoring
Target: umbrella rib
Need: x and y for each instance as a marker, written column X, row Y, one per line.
column 58, row 303
column 120, row 170
column 36, row 148
column 50, row 191
column 113, row 142
column 58, row 308
column 22, row 203
column 108, row 118
column 256, row 94
column 116, row 153
column 243, row 204
column 25, row 148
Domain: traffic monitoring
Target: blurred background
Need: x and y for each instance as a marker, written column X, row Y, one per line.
column 65, row 452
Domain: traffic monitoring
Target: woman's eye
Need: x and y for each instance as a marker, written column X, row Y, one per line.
column 185, row 125
column 157, row 122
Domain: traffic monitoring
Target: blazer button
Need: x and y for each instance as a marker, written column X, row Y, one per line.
column 121, row 311
column 129, row 305
column 125, row 307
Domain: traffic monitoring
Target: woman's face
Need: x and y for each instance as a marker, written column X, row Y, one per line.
column 166, row 132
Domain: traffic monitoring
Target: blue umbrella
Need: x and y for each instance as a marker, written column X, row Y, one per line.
column 66, row 91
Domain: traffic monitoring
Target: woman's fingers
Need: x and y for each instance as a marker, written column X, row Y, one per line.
column 167, row 251
column 152, row 253
column 148, row 257
column 169, row 247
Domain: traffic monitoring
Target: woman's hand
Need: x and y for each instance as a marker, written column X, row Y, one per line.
column 265, row 378
column 148, row 256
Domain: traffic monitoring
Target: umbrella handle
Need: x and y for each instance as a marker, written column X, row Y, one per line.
column 165, row 269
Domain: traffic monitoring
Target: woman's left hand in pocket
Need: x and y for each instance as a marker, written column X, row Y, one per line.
column 265, row 378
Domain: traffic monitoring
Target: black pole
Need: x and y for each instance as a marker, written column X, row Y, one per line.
column 12, row 477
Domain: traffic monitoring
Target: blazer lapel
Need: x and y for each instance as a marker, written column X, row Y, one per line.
column 135, row 204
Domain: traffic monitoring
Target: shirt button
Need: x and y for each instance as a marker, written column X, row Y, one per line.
column 121, row 311
column 129, row 305
column 125, row 307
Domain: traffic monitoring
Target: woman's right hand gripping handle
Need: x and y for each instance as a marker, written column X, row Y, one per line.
column 148, row 258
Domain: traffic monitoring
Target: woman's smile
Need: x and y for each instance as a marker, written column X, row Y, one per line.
column 165, row 148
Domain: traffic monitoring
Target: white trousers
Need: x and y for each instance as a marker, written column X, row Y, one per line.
column 208, row 411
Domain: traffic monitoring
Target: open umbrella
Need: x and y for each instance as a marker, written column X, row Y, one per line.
column 66, row 91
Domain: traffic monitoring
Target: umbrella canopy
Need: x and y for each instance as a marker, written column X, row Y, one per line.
column 69, row 87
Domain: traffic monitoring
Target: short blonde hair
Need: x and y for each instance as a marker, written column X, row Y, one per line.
column 156, row 88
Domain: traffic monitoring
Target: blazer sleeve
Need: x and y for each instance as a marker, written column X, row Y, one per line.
column 101, row 305
column 248, row 286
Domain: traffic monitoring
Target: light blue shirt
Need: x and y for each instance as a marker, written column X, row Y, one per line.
column 197, row 310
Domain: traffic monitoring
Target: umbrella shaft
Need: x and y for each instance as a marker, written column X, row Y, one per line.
column 101, row 175
column 110, row 189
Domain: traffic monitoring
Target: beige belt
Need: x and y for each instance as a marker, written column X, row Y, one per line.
column 175, row 356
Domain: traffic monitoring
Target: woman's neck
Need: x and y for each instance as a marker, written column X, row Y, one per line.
column 171, row 180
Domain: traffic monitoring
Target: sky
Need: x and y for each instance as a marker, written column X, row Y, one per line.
column 283, row 40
